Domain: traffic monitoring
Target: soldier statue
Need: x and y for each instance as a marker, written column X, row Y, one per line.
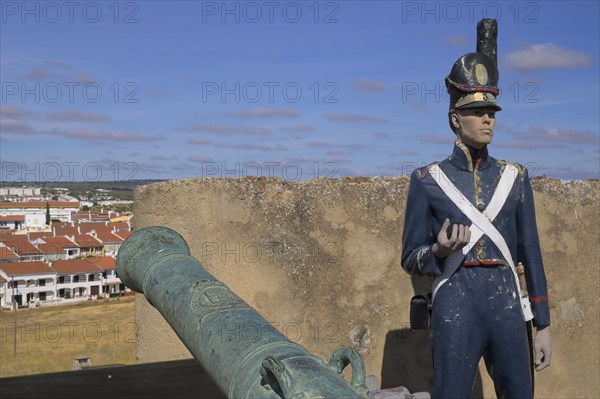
column 470, row 222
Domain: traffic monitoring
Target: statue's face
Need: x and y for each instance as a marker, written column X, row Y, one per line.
column 475, row 126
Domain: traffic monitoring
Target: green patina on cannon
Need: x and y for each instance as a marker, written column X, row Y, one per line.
column 245, row 355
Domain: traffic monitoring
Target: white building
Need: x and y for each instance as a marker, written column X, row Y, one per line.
column 64, row 281
column 2, row 290
column 36, row 221
column 58, row 210
column 20, row 191
column 27, row 283
column 77, row 278
column 111, row 283
column 12, row 222
column 56, row 248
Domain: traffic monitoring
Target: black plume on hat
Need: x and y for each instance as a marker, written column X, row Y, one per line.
column 487, row 35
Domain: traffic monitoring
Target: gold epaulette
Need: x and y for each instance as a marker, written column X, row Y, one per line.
column 520, row 168
column 422, row 172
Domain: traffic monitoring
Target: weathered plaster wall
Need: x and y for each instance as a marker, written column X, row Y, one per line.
column 320, row 260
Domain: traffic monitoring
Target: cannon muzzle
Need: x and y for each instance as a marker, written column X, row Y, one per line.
column 244, row 354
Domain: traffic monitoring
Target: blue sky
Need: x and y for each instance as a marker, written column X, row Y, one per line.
column 110, row 90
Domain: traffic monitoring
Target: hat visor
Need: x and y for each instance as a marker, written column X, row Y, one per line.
column 481, row 104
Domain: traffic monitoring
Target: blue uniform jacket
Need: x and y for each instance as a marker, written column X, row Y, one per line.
column 427, row 208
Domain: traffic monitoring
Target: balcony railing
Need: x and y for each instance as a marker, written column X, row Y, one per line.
column 34, row 289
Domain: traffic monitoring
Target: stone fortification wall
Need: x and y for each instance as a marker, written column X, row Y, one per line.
column 320, row 259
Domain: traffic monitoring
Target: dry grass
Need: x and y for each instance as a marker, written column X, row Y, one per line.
column 50, row 338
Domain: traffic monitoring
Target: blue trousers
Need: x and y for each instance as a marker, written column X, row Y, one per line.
column 477, row 313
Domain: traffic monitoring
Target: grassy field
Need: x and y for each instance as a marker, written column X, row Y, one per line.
column 48, row 339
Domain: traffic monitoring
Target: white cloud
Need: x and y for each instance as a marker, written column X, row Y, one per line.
column 38, row 74
column 199, row 159
column 163, row 157
column 84, row 78
column 198, row 141
column 565, row 135
column 436, row 138
column 226, row 129
column 458, row 40
column 264, row 112
column 324, row 144
column 14, row 126
column 542, row 137
column 254, row 147
column 337, row 117
column 12, row 111
column 547, row 56
column 297, row 129
column 77, row 116
column 368, row 84
column 102, row 136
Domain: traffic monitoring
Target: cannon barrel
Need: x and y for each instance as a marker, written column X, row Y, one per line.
column 244, row 354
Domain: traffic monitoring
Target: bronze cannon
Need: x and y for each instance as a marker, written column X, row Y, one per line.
column 258, row 363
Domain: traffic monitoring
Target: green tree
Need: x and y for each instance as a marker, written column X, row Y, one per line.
column 47, row 213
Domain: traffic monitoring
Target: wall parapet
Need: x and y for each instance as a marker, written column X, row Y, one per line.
column 320, row 260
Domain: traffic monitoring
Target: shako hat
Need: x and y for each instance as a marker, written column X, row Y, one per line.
column 473, row 80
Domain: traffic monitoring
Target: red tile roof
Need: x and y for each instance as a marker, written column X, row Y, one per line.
column 11, row 237
column 22, row 247
column 52, row 248
column 87, row 241
column 10, row 218
column 23, row 268
column 63, row 241
column 104, row 263
column 70, row 266
column 56, row 245
column 120, row 225
column 107, row 236
column 38, row 234
column 124, row 234
column 83, row 216
column 6, row 253
column 5, row 234
column 62, row 229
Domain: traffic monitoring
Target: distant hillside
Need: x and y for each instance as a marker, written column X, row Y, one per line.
column 89, row 190
column 84, row 185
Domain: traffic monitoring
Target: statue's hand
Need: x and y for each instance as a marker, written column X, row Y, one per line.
column 459, row 238
column 542, row 346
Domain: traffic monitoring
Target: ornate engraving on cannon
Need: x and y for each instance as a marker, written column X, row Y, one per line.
column 212, row 296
